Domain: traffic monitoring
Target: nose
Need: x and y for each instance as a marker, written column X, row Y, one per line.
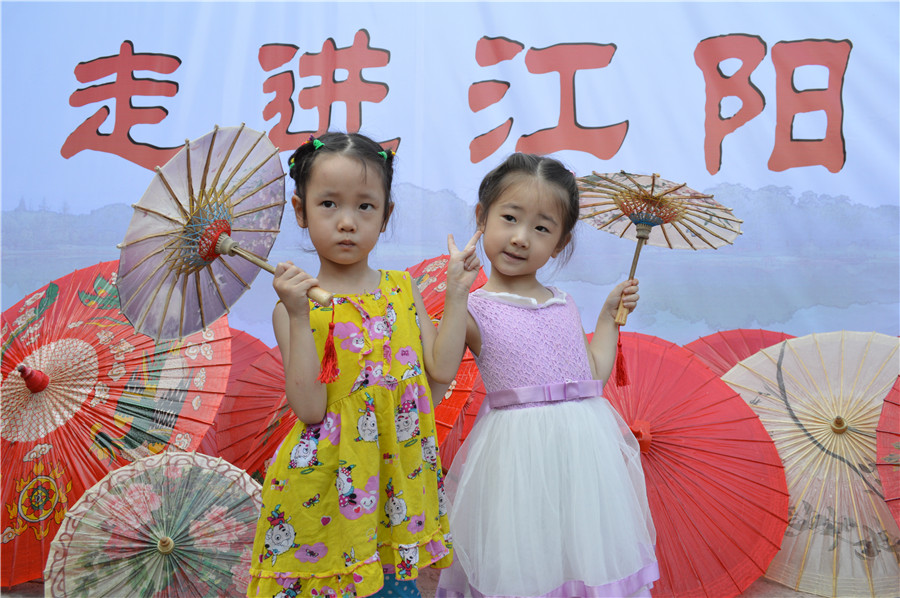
column 520, row 237
column 346, row 222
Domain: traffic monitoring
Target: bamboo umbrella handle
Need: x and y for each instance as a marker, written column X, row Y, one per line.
column 227, row 246
column 643, row 233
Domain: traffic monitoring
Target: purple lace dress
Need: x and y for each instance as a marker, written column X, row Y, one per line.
column 548, row 494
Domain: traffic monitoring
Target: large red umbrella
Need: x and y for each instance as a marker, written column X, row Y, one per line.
column 887, row 447
column 715, row 483
column 450, row 415
column 83, row 394
column 245, row 348
column 430, row 276
column 256, row 417
column 722, row 350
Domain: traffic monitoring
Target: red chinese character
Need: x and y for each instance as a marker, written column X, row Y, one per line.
column 122, row 90
column 708, row 55
column 352, row 91
column 565, row 59
column 829, row 151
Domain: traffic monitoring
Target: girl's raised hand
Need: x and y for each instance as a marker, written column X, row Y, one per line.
column 464, row 264
column 292, row 285
column 627, row 291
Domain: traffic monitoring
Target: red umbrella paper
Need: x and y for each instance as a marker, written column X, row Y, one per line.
column 887, row 446
column 84, row 394
column 256, row 416
column 450, row 415
column 715, row 483
column 430, row 276
column 721, row 351
column 245, row 348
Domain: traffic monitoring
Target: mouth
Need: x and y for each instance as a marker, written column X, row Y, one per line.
column 346, row 244
column 513, row 257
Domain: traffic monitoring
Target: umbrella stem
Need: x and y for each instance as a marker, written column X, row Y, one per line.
column 642, row 233
column 228, row 246
column 165, row 545
column 35, row 380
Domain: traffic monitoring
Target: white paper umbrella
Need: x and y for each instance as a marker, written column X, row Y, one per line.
column 820, row 397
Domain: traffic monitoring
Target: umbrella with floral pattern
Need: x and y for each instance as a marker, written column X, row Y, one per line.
column 83, row 394
column 173, row 524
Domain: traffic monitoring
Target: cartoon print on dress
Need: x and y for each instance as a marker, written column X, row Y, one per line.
column 279, row 537
column 394, row 506
column 304, row 453
column 406, row 421
column 291, row 592
column 350, row 558
column 430, row 452
column 409, row 559
column 367, row 425
column 443, row 501
column 408, row 357
column 354, row 502
column 373, row 374
column 352, row 337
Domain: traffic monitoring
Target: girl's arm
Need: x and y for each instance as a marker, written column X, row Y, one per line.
column 606, row 333
column 445, row 347
column 305, row 394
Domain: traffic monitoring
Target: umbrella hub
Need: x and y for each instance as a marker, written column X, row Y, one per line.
column 35, row 380
column 839, row 425
column 165, row 545
column 202, row 231
column 641, row 431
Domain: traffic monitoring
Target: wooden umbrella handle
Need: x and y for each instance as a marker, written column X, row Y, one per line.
column 643, row 233
column 227, row 246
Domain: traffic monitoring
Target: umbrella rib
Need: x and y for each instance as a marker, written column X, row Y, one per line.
column 190, row 177
column 147, row 210
column 161, row 249
column 684, row 222
column 184, row 280
column 249, row 174
column 225, row 159
column 146, row 311
column 162, row 320
column 146, row 279
column 243, row 159
column 204, row 194
column 216, row 286
column 234, row 272
column 257, row 190
column 253, row 230
column 172, row 195
column 200, row 302
column 710, row 231
column 683, row 236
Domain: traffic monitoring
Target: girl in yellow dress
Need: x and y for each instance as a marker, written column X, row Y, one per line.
column 353, row 502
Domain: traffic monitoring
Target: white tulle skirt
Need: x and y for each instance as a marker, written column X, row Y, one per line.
column 550, row 499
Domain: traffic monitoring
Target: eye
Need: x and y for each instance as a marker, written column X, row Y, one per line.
column 542, row 229
column 327, row 203
column 366, row 206
column 508, row 217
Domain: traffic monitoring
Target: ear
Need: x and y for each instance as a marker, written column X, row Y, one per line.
column 388, row 219
column 562, row 244
column 479, row 218
column 298, row 211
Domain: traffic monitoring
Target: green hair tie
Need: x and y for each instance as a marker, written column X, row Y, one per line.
column 317, row 144
column 384, row 154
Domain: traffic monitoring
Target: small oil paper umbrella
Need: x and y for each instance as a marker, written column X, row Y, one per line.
column 201, row 231
column 173, row 524
column 655, row 211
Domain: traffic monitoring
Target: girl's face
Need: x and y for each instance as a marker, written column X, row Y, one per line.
column 344, row 209
column 523, row 228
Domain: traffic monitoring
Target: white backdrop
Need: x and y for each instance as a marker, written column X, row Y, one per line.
column 813, row 171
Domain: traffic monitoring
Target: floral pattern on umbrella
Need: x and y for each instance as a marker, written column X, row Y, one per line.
column 83, row 394
column 173, row 524
column 887, row 439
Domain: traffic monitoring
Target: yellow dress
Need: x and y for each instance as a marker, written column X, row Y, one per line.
column 359, row 495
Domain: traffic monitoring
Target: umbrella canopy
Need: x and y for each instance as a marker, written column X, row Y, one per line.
column 430, row 276
column 722, row 350
column 820, row 397
column 256, row 416
column 245, row 348
column 82, row 394
column 715, row 484
column 656, row 211
column 175, row 277
column 887, row 451
column 173, row 524
column 450, row 415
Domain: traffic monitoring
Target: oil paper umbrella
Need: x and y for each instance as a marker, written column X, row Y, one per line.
column 83, row 394
column 245, row 348
column 430, row 276
column 654, row 211
column 715, row 484
column 201, row 232
column 256, row 417
column 887, row 440
column 722, row 350
column 820, row 397
column 173, row 524
column 450, row 414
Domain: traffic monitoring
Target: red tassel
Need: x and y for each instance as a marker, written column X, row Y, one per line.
column 621, row 372
column 328, row 372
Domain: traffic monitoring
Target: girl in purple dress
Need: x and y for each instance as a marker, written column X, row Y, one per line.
column 548, row 494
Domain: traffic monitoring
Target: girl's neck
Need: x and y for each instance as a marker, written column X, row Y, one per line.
column 524, row 286
column 353, row 279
